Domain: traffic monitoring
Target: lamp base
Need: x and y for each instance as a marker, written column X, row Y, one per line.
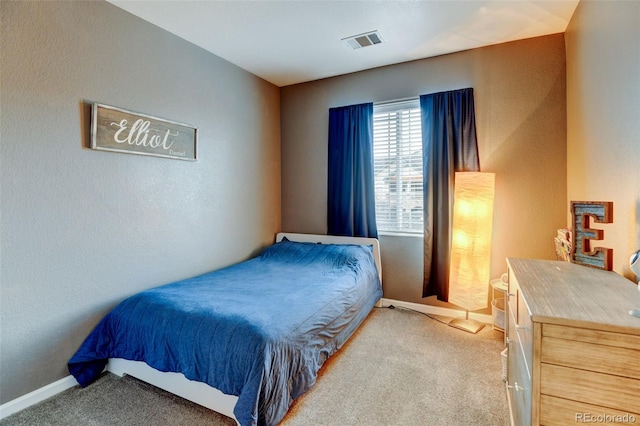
column 467, row 325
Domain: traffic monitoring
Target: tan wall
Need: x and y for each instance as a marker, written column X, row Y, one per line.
column 82, row 229
column 521, row 124
column 603, row 118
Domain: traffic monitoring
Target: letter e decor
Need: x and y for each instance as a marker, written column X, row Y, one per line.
column 581, row 251
column 119, row 130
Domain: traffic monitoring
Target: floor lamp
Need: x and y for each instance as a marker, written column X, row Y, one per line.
column 471, row 245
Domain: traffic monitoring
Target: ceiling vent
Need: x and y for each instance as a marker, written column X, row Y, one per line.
column 364, row 40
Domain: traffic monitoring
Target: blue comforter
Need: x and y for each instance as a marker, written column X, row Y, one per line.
column 259, row 330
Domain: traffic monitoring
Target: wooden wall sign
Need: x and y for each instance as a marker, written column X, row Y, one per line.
column 581, row 251
column 119, row 130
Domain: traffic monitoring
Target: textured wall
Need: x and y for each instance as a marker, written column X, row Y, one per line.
column 603, row 118
column 82, row 229
column 521, row 124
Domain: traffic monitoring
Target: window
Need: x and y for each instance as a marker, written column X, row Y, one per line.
column 397, row 158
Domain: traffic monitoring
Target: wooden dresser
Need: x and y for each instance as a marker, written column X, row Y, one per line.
column 574, row 350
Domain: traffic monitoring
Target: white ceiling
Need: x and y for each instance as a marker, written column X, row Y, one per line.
column 288, row 42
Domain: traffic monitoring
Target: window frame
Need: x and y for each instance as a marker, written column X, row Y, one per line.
column 403, row 141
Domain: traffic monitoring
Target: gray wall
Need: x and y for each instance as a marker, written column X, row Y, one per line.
column 603, row 119
column 82, row 229
column 521, row 124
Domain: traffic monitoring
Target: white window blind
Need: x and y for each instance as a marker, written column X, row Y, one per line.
column 397, row 157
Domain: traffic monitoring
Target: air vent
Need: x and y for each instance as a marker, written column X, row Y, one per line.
column 364, row 40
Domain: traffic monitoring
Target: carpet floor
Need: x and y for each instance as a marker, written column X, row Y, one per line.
column 400, row 368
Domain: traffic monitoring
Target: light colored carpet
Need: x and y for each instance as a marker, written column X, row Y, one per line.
column 400, row 368
column 115, row 401
column 404, row 368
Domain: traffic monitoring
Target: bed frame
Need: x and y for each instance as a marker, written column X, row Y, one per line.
column 201, row 393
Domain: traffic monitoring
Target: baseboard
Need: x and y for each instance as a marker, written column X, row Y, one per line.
column 437, row 310
column 36, row 396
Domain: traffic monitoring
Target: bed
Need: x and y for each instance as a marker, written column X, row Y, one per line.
column 246, row 340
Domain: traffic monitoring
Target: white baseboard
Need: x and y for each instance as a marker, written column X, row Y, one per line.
column 36, row 396
column 436, row 310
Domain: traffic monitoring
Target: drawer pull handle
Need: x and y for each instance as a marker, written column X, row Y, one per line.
column 515, row 387
column 520, row 327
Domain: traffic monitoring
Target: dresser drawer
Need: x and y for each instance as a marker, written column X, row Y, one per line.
column 518, row 385
column 563, row 412
column 524, row 328
column 513, row 288
column 604, row 390
column 517, row 304
column 521, row 332
column 607, row 338
column 591, row 357
column 593, row 350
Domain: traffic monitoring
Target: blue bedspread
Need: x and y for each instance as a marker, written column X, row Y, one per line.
column 259, row 330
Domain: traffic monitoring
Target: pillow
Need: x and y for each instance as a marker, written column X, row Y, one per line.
column 336, row 254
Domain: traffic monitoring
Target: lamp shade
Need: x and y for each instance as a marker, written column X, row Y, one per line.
column 471, row 239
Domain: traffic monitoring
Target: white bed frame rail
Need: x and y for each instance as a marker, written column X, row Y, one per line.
column 177, row 384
